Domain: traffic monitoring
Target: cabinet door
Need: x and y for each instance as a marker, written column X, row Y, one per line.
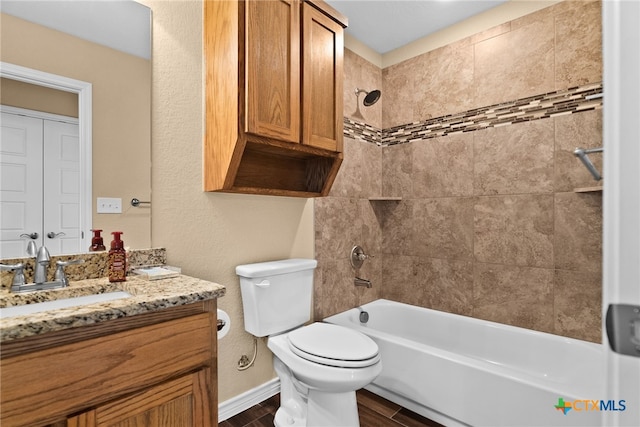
column 272, row 69
column 322, row 52
column 183, row 402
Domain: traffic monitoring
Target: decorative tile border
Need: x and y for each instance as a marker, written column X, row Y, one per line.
column 361, row 131
column 552, row 104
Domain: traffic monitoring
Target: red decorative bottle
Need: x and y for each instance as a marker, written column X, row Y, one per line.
column 97, row 244
column 117, row 259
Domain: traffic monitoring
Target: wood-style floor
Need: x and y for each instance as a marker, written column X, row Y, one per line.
column 374, row 411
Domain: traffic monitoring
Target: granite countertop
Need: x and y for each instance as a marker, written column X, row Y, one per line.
column 146, row 296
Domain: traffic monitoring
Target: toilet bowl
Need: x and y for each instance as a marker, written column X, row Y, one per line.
column 325, row 372
column 320, row 365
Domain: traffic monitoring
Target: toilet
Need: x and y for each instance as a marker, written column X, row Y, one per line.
column 320, row 365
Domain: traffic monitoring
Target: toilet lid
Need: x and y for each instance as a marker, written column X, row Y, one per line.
column 334, row 345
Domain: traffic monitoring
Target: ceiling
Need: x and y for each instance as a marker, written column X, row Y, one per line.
column 385, row 25
column 122, row 25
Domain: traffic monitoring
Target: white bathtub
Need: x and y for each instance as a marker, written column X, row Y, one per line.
column 458, row 370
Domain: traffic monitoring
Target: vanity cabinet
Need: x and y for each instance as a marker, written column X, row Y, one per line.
column 274, row 89
column 179, row 402
column 151, row 369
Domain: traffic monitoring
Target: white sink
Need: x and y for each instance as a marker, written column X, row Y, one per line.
column 21, row 310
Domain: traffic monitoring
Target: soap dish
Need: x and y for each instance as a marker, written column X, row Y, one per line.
column 155, row 273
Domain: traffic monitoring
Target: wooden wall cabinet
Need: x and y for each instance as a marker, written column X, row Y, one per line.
column 147, row 370
column 274, row 88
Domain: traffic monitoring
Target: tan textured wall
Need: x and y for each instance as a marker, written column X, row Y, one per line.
column 208, row 234
column 488, row 225
column 121, row 115
column 33, row 97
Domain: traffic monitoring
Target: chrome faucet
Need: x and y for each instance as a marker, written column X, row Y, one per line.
column 42, row 264
column 42, row 259
column 362, row 282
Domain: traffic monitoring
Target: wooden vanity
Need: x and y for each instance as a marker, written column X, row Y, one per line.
column 146, row 360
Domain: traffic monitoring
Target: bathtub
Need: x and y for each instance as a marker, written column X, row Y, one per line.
column 458, row 370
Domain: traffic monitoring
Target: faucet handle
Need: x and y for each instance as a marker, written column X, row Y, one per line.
column 18, row 276
column 358, row 256
column 9, row 267
column 60, row 274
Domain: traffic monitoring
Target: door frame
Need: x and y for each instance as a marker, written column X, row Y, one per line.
column 84, row 91
column 621, row 197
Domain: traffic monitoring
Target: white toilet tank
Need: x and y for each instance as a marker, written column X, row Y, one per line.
column 276, row 295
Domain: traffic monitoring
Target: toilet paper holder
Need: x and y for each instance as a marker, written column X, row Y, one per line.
column 223, row 323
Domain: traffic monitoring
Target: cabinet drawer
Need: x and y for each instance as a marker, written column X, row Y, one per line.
column 44, row 385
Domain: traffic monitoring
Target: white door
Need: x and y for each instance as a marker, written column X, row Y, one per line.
column 20, row 183
column 62, row 198
column 621, row 248
column 41, row 181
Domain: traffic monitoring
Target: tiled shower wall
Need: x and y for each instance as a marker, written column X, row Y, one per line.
column 489, row 224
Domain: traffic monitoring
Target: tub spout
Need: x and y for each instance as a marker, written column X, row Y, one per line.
column 362, row 282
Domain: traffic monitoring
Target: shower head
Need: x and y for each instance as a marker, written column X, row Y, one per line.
column 370, row 98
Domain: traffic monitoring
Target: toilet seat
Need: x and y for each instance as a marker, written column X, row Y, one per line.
column 333, row 345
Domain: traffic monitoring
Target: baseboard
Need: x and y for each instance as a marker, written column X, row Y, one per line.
column 246, row 400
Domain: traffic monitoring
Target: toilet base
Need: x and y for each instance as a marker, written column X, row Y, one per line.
column 332, row 409
column 323, row 410
column 301, row 406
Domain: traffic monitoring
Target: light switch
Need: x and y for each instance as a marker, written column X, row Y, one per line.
column 109, row 205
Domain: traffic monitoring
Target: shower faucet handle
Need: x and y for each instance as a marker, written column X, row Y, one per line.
column 358, row 257
column 364, row 256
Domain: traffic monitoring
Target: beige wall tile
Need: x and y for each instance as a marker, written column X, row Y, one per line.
column 504, row 65
column 399, row 83
column 396, row 219
column 448, row 284
column 541, row 16
column 335, row 291
column 582, row 130
column 353, row 179
column 490, row 33
column 578, row 231
column 444, row 82
column 371, row 231
column 337, row 227
column 397, row 166
column 578, row 53
column 516, row 230
column 400, row 281
column 348, row 182
column 577, row 296
column 360, row 73
column 518, row 296
column 514, row 159
column 371, row 173
column 371, row 270
column 443, row 228
column 443, row 167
